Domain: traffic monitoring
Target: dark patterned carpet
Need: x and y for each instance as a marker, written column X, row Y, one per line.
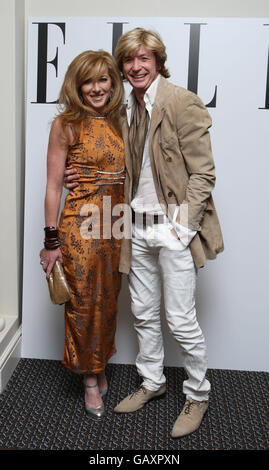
column 42, row 408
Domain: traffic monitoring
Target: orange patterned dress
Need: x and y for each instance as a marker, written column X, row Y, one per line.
column 90, row 246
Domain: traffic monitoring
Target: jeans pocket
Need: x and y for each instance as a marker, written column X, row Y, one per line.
column 169, row 240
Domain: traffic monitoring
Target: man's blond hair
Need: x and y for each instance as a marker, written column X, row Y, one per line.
column 131, row 41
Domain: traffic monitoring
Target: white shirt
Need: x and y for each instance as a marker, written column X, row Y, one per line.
column 145, row 199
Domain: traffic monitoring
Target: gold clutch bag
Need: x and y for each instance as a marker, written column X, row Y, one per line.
column 58, row 286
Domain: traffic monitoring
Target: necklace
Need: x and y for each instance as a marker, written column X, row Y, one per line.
column 97, row 117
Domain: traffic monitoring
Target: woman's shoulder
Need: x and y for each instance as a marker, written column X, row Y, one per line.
column 62, row 131
column 57, row 124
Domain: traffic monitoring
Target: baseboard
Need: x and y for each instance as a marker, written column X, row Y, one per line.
column 10, row 358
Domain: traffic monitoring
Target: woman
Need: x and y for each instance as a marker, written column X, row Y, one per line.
column 87, row 136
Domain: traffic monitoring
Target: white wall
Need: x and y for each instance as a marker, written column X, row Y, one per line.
column 12, row 152
column 238, row 336
column 12, row 171
column 228, row 291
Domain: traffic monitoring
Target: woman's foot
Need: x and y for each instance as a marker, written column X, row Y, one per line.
column 93, row 398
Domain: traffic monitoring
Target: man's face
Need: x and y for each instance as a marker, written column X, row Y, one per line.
column 141, row 69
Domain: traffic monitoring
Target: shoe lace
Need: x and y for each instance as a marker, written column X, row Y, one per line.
column 188, row 406
column 139, row 390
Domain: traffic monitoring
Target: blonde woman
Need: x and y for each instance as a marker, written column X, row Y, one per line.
column 86, row 136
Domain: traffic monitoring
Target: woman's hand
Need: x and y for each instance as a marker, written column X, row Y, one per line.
column 48, row 258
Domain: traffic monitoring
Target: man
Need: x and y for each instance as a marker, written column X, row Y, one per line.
column 169, row 179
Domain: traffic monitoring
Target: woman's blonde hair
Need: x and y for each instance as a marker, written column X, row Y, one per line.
column 89, row 65
column 129, row 43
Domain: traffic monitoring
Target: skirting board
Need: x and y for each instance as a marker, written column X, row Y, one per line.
column 9, row 359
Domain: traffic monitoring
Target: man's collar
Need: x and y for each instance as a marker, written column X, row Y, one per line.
column 130, row 100
column 151, row 91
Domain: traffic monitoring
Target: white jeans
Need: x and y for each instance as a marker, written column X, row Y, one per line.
column 159, row 259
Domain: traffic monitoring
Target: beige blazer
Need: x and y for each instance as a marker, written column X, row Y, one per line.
column 183, row 169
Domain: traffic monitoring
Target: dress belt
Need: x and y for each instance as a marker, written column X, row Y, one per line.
column 147, row 219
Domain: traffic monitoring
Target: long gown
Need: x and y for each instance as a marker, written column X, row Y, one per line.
column 91, row 247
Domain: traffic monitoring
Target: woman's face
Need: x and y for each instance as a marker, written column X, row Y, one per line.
column 96, row 92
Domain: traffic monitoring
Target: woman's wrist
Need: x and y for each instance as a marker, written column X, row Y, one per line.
column 51, row 241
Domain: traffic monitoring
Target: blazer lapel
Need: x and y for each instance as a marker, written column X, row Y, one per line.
column 156, row 118
column 127, row 153
column 158, row 108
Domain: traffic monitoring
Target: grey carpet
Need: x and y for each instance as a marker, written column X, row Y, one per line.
column 42, row 408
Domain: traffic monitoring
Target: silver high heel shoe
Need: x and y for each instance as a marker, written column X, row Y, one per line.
column 96, row 413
